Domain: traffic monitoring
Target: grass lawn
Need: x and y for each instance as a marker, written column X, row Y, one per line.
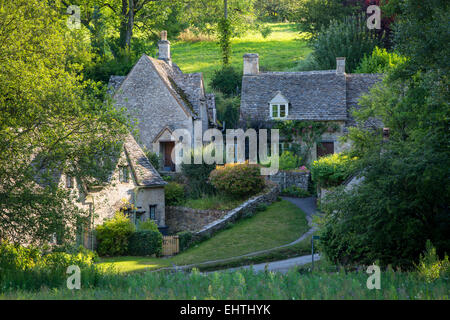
column 213, row 203
column 278, row 52
column 280, row 224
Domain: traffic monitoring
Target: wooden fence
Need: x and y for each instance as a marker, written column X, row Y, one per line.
column 171, row 245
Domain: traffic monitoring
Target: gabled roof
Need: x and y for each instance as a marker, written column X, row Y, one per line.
column 144, row 173
column 187, row 89
column 313, row 95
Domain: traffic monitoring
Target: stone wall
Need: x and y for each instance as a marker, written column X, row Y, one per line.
column 187, row 219
column 245, row 209
column 285, row 179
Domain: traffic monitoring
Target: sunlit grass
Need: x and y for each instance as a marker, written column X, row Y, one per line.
column 280, row 51
column 280, row 224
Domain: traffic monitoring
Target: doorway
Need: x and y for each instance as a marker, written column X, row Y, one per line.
column 166, row 148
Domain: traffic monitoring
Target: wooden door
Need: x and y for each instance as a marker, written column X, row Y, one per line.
column 168, row 163
column 324, row 149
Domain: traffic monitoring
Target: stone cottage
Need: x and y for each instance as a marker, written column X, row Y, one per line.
column 161, row 98
column 327, row 96
column 133, row 181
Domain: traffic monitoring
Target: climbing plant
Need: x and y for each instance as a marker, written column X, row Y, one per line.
column 309, row 132
column 224, row 28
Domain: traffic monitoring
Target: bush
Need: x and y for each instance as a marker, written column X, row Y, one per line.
column 349, row 38
column 288, row 161
column 227, row 80
column 380, row 61
column 174, row 193
column 145, row 243
column 154, row 158
column 430, row 267
column 294, row 191
column 30, row 268
column 332, row 170
column 185, row 239
column 148, row 225
column 113, row 234
column 266, row 31
column 198, row 175
column 238, row 180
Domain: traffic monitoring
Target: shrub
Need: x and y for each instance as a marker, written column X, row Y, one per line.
column 380, row 61
column 113, row 234
column 294, row 191
column 30, row 268
column 430, row 267
column 266, row 31
column 238, row 180
column 227, row 80
column 145, row 243
column 288, row 161
column 154, row 158
column 185, row 239
column 332, row 170
column 349, row 38
column 174, row 193
column 197, row 175
column 148, row 225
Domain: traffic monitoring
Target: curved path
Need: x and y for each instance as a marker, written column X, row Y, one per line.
column 307, row 205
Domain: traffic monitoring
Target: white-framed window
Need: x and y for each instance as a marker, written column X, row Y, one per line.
column 279, row 111
column 279, row 107
column 152, row 212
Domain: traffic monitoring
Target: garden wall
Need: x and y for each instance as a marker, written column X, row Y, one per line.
column 247, row 208
column 287, row 179
column 187, row 219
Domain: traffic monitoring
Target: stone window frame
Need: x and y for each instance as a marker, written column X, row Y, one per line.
column 150, row 207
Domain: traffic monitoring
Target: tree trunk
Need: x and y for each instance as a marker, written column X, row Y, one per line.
column 126, row 23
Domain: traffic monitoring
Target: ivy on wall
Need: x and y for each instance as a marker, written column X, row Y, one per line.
column 309, row 132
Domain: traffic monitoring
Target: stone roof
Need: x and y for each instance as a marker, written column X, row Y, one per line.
column 144, row 173
column 313, row 95
column 115, row 82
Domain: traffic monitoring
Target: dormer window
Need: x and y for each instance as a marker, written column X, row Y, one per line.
column 279, row 107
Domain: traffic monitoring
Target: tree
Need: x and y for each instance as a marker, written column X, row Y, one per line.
column 51, row 121
column 403, row 200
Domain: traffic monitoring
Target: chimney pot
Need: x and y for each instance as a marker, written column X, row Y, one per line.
column 340, row 65
column 251, row 64
column 164, row 35
column 164, row 47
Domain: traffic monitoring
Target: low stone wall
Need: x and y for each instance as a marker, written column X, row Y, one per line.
column 247, row 208
column 187, row 219
column 287, row 179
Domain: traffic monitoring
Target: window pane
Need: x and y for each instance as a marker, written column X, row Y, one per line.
column 274, row 111
column 282, row 111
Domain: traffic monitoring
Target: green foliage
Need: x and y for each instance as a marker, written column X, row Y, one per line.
column 227, row 80
column 275, row 10
column 113, row 235
column 224, row 33
column 333, row 169
column 174, row 193
column 289, row 161
column 198, row 175
column 349, row 38
column 313, row 16
column 380, row 61
column 213, row 202
column 52, row 121
column 155, row 159
column 430, row 267
column 294, row 191
column 148, row 225
column 238, row 180
column 266, row 31
column 29, row 268
column 185, row 239
column 145, row 243
column 228, row 110
column 309, row 132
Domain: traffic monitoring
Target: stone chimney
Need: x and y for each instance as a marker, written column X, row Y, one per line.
column 340, row 65
column 164, row 47
column 251, row 64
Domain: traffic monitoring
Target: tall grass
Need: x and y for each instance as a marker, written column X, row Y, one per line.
column 245, row 284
